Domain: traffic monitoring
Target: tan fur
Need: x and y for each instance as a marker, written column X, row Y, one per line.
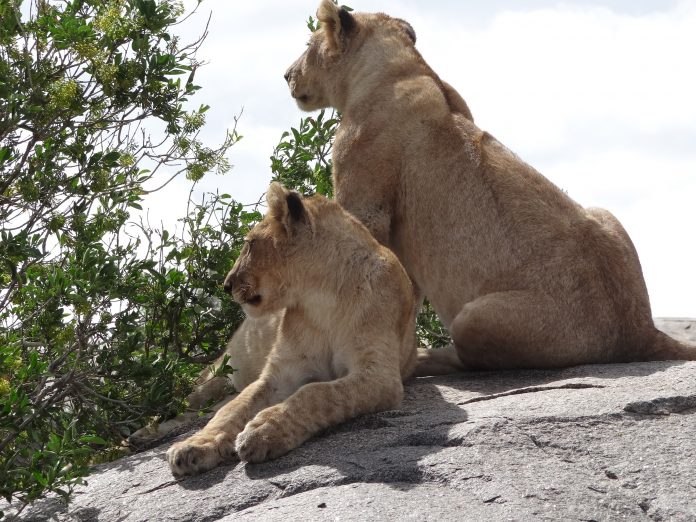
column 344, row 344
column 521, row 274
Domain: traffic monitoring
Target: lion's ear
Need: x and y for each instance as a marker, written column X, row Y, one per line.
column 285, row 206
column 275, row 198
column 296, row 210
column 336, row 23
column 408, row 29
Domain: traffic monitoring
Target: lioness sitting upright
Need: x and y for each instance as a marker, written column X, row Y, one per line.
column 345, row 341
column 520, row 273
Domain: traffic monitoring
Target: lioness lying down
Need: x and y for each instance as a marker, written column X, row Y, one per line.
column 521, row 275
column 344, row 343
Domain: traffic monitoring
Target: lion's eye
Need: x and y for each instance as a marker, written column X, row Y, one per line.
column 249, row 243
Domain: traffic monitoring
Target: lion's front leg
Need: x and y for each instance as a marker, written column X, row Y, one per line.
column 316, row 406
column 215, row 443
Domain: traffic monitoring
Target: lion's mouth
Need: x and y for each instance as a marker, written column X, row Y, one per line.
column 253, row 300
column 247, row 298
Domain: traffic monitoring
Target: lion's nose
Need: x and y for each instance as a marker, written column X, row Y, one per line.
column 230, row 281
column 287, row 76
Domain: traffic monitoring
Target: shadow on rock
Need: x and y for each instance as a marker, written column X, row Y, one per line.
column 390, row 447
column 205, row 480
column 382, row 447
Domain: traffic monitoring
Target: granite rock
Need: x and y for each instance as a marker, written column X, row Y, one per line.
column 595, row 442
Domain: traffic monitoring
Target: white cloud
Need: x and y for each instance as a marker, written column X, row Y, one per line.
column 599, row 100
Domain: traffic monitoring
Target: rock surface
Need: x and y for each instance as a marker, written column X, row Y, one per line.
column 601, row 442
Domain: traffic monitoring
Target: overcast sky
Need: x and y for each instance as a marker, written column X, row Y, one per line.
column 599, row 96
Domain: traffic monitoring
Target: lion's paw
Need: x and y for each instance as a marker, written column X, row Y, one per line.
column 198, row 454
column 143, row 437
column 263, row 439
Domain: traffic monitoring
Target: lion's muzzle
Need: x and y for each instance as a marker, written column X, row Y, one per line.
column 241, row 287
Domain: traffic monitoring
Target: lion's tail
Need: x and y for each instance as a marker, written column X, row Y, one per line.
column 437, row 361
column 443, row 361
column 666, row 348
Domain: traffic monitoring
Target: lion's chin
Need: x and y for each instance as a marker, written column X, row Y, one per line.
column 303, row 103
column 307, row 104
column 253, row 310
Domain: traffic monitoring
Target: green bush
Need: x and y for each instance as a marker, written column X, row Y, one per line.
column 103, row 319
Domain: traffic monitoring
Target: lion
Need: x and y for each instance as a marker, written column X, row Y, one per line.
column 520, row 274
column 345, row 337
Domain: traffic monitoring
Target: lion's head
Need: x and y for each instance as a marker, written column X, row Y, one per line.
column 260, row 279
column 338, row 52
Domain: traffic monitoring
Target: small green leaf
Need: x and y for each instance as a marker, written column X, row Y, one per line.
column 93, row 439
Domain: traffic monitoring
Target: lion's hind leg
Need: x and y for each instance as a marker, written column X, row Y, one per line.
column 521, row 329
column 437, row 361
